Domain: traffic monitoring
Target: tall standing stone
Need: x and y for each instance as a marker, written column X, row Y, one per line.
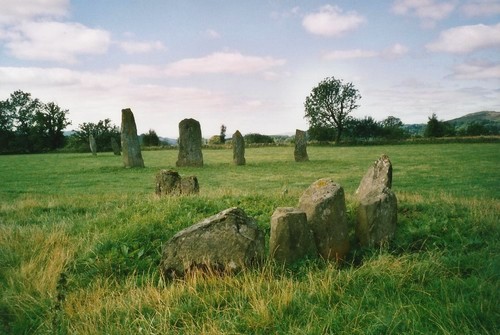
column 93, row 145
column 115, row 147
column 291, row 239
column 378, row 206
column 324, row 204
column 378, row 176
column 189, row 143
column 131, row 148
column 238, row 149
column 300, row 151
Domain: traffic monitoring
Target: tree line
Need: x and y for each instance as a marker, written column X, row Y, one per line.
column 27, row 125
column 330, row 103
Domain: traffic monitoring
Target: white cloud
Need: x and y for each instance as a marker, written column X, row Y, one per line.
column 222, row 63
column 15, row 11
column 350, row 54
column 393, row 52
column 476, row 70
column 56, row 41
column 481, row 8
column 466, row 39
column 211, row 34
column 140, row 71
column 135, row 47
column 429, row 11
column 331, row 21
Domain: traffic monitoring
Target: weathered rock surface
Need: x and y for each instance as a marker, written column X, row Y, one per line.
column 324, row 204
column 377, row 217
column 227, row 242
column 168, row 182
column 190, row 143
column 291, row 238
column 300, row 152
column 238, row 149
column 93, row 145
column 190, row 185
column 132, row 156
column 377, row 209
column 115, row 147
column 378, row 176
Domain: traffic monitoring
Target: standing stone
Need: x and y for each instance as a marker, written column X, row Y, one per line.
column 115, row 147
column 378, row 206
column 227, row 242
column 93, row 145
column 324, row 204
column 189, row 185
column 131, row 148
column 300, row 151
column 238, row 149
column 291, row 239
column 190, row 143
column 377, row 217
column 378, row 176
column 168, row 182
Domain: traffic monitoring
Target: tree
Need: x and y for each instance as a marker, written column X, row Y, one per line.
column 102, row 131
column 436, row 128
column 393, row 128
column 329, row 104
column 150, row 139
column 258, row 139
column 28, row 125
column 363, row 129
column 50, row 123
column 223, row 134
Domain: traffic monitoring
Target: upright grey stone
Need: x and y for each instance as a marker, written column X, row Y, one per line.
column 132, row 156
column 115, row 147
column 190, row 185
column 324, row 204
column 377, row 217
column 93, row 145
column 238, row 149
column 168, row 182
column 189, row 143
column 378, row 176
column 300, row 152
column 291, row 238
column 227, row 242
column 378, row 206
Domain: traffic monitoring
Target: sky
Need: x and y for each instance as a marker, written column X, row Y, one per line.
column 250, row 64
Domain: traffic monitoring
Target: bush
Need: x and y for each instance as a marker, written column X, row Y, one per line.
column 258, row 139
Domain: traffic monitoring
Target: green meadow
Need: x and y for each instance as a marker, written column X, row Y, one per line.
column 81, row 238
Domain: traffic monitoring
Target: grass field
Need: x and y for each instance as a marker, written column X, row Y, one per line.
column 80, row 244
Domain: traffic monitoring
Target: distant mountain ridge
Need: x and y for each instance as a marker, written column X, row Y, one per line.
column 491, row 116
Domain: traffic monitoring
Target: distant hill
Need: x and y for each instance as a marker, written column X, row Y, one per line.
column 490, row 116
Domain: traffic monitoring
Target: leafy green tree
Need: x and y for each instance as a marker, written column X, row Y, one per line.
column 322, row 134
column 102, row 131
column 28, row 125
column 258, row 139
column 222, row 135
column 363, row 129
column 329, row 104
column 436, row 128
column 50, row 122
column 393, row 128
column 150, row 139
